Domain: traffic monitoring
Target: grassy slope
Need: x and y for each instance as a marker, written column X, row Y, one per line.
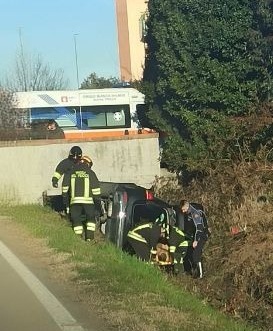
column 132, row 295
column 239, row 277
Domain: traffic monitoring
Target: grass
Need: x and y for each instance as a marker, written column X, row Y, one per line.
column 131, row 294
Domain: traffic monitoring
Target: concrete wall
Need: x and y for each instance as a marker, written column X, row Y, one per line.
column 26, row 167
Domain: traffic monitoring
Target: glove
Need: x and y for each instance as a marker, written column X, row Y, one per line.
column 54, row 183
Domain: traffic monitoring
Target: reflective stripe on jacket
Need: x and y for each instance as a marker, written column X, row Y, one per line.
column 62, row 168
column 82, row 185
column 141, row 233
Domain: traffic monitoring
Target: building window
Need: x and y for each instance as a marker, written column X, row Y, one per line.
column 143, row 27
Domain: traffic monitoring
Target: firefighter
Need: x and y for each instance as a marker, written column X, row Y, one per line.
column 175, row 238
column 195, row 224
column 178, row 248
column 81, row 193
column 140, row 239
column 159, row 242
column 66, row 164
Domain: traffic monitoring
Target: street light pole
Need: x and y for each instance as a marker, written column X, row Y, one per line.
column 76, row 58
column 77, row 71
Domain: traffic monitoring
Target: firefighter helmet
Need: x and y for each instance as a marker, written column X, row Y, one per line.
column 75, row 152
column 87, row 160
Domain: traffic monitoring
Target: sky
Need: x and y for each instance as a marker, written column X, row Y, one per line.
column 52, row 29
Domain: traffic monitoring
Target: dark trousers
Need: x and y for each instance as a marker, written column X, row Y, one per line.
column 198, row 251
column 194, row 255
column 83, row 215
column 141, row 249
column 180, row 254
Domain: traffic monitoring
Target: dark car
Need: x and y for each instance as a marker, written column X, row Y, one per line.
column 126, row 205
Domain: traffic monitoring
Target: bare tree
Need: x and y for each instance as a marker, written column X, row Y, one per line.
column 9, row 116
column 12, row 119
column 32, row 74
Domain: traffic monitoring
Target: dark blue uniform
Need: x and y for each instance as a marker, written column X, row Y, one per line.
column 194, row 224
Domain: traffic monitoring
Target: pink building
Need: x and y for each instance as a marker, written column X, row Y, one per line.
column 131, row 16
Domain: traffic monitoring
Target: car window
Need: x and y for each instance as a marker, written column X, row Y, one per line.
column 146, row 213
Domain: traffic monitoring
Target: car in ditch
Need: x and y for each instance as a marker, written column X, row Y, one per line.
column 124, row 206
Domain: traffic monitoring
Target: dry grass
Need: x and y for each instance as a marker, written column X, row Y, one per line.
column 239, row 268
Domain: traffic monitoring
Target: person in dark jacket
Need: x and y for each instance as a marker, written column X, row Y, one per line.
column 145, row 238
column 66, row 164
column 193, row 222
column 45, row 130
column 81, row 193
column 54, row 131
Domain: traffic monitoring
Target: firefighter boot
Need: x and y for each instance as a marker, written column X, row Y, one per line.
column 90, row 235
column 178, row 268
column 178, row 265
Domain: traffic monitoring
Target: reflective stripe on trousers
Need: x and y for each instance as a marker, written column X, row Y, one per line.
column 78, row 229
column 90, row 226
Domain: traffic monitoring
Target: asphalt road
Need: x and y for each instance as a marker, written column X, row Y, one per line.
column 31, row 300
column 20, row 310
